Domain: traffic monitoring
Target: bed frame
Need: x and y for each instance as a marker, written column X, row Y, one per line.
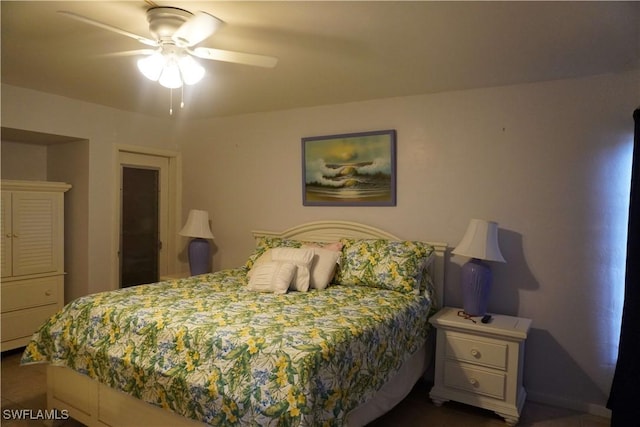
column 95, row 404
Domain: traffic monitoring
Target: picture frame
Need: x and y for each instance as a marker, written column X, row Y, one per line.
column 355, row 169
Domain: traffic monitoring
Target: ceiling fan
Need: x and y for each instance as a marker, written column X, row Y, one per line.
column 176, row 33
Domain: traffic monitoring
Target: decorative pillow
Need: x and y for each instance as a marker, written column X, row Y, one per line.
column 324, row 266
column 302, row 258
column 386, row 264
column 265, row 243
column 272, row 277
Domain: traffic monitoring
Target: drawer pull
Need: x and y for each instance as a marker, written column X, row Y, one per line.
column 475, row 353
column 474, row 382
column 48, row 292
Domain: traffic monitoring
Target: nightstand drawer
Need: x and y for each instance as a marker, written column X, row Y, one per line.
column 476, row 381
column 476, row 351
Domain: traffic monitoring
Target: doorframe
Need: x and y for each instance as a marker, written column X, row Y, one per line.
column 174, row 206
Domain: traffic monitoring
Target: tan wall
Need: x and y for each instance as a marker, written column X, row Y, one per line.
column 23, row 161
column 69, row 162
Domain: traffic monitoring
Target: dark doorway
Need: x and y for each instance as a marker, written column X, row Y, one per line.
column 139, row 233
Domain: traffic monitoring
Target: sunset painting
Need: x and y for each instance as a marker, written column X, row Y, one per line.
column 350, row 170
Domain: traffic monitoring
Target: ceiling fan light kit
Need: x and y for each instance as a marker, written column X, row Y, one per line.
column 176, row 32
column 171, row 70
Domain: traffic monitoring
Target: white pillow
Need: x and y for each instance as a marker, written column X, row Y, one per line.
column 302, row 258
column 264, row 258
column 272, row 277
column 323, row 268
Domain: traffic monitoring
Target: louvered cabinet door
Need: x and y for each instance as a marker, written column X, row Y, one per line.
column 6, row 237
column 37, row 230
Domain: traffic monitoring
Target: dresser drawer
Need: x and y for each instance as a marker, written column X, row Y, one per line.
column 20, row 294
column 476, row 351
column 23, row 323
column 477, row 381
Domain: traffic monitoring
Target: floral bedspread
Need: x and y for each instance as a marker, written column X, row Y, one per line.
column 209, row 349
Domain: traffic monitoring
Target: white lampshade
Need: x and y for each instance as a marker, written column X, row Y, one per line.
column 197, row 225
column 480, row 241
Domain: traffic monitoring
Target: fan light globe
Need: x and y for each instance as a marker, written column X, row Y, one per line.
column 151, row 66
column 170, row 77
column 191, row 71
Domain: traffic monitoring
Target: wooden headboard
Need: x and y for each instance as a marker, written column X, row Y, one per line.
column 331, row 231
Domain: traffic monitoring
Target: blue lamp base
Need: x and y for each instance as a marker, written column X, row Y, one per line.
column 199, row 255
column 476, row 287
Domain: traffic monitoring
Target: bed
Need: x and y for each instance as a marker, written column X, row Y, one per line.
column 235, row 348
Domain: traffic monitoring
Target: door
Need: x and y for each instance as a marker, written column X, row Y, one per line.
column 142, row 218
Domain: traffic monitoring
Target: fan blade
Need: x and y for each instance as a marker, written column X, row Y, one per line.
column 197, row 28
column 128, row 53
column 102, row 25
column 235, row 57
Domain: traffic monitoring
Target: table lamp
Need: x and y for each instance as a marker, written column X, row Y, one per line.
column 480, row 243
column 197, row 226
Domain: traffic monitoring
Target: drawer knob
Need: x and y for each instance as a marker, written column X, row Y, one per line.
column 48, row 292
column 475, row 353
column 474, row 382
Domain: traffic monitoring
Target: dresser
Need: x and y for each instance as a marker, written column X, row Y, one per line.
column 31, row 257
column 480, row 364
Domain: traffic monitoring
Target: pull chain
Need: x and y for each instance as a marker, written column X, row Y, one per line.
column 171, row 102
column 171, row 99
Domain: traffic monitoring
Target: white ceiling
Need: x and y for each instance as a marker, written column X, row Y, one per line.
column 329, row 52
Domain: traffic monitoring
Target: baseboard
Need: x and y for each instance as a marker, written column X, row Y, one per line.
column 561, row 402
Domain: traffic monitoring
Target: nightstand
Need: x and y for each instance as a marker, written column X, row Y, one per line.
column 480, row 364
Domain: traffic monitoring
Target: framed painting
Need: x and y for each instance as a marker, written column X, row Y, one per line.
column 356, row 169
